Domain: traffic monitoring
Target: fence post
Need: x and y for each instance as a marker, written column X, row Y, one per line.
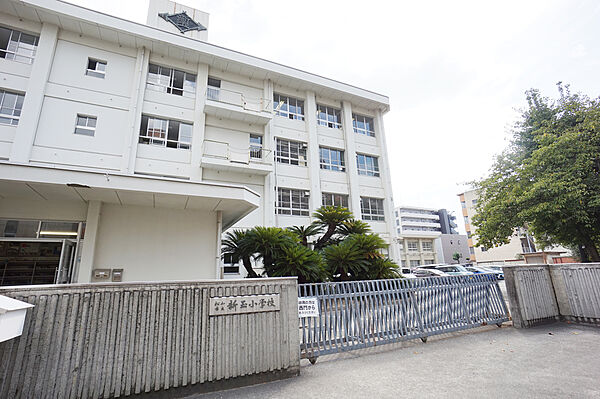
column 513, row 298
column 560, row 289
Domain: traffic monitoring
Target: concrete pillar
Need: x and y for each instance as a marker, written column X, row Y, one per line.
column 199, row 123
column 135, row 110
column 384, row 170
column 313, row 151
column 269, row 157
column 34, row 97
column 351, row 168
column 92, row 223
column 218, row 263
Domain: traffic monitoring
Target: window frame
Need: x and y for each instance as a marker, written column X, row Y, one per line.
column 429, row 244
column 370, row 212
column 15, row 55
column 327, row 163
column 335, row 199
column 330, row 113
column 163, row 141
column 285, row 155
column 256, row 148
column 300, row 207
column 96, row 73
column 86, row 129
column 368, row 168
column 284, row 110
column 412, row 248
column 15, row 111
column 363, row 130
column 169, row 88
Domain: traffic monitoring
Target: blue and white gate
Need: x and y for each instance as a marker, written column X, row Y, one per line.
column 360, row 314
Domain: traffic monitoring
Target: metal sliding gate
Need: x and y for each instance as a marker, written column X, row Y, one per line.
column 361, row 314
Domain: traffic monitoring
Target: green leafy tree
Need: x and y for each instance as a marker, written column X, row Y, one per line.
column 548, row 179
column 456, row 256
column 266, row 243
column 382, row 268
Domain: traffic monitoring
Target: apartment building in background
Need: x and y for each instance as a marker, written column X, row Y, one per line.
column 126, row 150
column 417, row 229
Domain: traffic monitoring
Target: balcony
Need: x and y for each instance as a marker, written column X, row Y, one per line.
column 230, row 104
column 221, row 155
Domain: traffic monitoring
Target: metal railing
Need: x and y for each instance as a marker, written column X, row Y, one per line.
column 223, row 150
column 361, row 314
column 237, row 99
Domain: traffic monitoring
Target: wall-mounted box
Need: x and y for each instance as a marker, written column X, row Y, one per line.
column 101, row 274
column 12, row 317
column 117, row 275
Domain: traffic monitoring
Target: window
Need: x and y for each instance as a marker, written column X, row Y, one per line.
column 292, row 202
column 367, row 165
column 256, row 146
column 329, row 117
column 469, row 234
column 85, row 125
column 371, row 208
column 335, row 199
column 363, row 125
column 96, row 68
column 426, row 246
column 288, row 107
column 229, row 266
column 466, row 220
column 474, row 202
column 483, row 249
column 397, row 222
column 413, row 246
column 17, row 46
column 463, row 204
column 212, row 91
column 172, row 81
column 472, row 250
column 11, row 105
column 332, row 159
column 415, row 263
column 166, row 133
column 291, row 152
column 429, row 261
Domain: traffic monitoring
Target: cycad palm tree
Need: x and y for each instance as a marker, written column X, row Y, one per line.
column 382, row 268
column 303, row 232
column 330, row 217
column 266, row 242
column 233, row 245
column 370, row 245
column 353, row 226
column 296, row 260
column 345, row 261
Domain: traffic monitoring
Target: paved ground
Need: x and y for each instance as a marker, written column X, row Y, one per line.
column 558, row 360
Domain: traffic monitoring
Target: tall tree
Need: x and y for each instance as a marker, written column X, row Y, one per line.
column 330, row 218
column 548, row 179
column 233, row 246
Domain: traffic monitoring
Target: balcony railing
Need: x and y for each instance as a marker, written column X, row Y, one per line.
column 237, row 99
column 223, row 150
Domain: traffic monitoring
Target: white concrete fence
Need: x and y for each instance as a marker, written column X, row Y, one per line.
column 111, row 340
column 542, row 293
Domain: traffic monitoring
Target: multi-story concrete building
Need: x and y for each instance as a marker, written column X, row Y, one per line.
column 417, row 229
column 126, row 149
column 449, row 244
column 519, row 243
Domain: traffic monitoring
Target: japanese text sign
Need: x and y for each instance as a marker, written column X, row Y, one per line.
column 227, row 305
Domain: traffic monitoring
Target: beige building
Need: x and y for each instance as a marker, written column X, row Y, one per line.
column 520, row 243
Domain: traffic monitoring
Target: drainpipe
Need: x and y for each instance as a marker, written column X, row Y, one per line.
column 218, row 251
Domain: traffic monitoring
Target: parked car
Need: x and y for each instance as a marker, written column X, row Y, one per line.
column 483, row 270
column 496, row 270
column 455, row 270
column 407, row 273
column 428, row 273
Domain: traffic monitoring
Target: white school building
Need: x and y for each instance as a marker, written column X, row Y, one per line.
column 127, row 149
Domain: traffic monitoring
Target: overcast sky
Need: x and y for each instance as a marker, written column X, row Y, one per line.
column 455, row 71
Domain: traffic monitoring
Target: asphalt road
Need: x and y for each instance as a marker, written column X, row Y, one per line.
column 552, row 361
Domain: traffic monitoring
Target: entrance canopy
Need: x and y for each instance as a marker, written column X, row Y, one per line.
column 20, row 182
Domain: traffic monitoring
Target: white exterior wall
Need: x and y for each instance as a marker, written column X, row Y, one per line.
column 156, row 244
column 57, row 89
